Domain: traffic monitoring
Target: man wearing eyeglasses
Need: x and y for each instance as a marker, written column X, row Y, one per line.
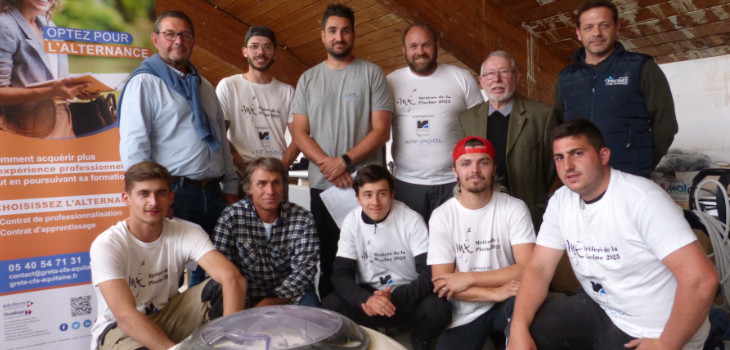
column 519, row 129
column 256, row 106
column 428, row 100
column 169, row 114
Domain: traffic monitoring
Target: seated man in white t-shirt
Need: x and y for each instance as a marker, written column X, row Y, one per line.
column 480, row 241
column 647, row 283
column 380, row 274
column 137, row 263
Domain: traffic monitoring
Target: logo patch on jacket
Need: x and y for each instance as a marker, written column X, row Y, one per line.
column 611, row 81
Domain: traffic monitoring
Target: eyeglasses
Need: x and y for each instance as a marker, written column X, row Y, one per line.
column 257, row 47
column 503, row 73
column 171, row 36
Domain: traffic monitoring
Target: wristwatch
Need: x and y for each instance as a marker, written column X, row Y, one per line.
column 346, row 159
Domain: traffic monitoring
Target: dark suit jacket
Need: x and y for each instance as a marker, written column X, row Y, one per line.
column 530, row 166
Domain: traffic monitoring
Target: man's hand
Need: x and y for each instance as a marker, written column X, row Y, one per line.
column 272, row 301
column 332, row 167
column 646, row 344
column 448, row 284
column 507, row 290
column 520, row 339
column 379, row 304
column 230, row 198
column 343, row 181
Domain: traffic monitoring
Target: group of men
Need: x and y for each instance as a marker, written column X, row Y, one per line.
column 447, row 242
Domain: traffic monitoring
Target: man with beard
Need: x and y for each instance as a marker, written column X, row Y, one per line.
column 256, row 106
column 519, row 129
column 169, row 114
column 479, row 243
column 624, row 93
column 429, row 98
column 342, row 114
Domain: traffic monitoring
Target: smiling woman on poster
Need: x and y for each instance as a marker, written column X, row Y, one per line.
column 41, row 112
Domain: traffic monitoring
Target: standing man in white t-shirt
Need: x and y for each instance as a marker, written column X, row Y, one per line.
column 479, row 243
column 647, row 283
column 428, row 100
column 256, row 106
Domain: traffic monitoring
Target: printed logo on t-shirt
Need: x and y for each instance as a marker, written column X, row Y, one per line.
column 386, row 279
column 579, row 250
column 466, row 248
column 597, row 287
column 249, row 111
column 423, row 127
column 611, row 81
column 264, row 136
column 351, row 95
column 406, row 102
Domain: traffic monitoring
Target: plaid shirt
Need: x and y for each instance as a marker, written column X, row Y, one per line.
column 283, row 266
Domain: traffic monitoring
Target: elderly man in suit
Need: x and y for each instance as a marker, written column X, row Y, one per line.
column 519, row 129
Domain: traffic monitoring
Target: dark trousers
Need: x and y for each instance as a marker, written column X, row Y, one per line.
column 575, row 322
column 329, row 235
column 473, row 335
column 423, row 198
column 428, row 315
column 202, row 206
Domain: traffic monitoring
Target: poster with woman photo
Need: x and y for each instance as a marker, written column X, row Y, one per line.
column 61, row 66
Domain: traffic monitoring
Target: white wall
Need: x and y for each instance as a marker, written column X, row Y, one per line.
column 701, row 90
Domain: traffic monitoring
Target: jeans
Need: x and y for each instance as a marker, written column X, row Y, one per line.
column 575, row 322
column 473, row 335
column 329, row 235
column 202, row 206
column 429, row 315
column 310, row 299
column 183, row 314
column 423, row 198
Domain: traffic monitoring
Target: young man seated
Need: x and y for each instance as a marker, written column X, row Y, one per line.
column 137, row 263
column 273, row 242
column 479, row 244
column 647, row 283
column 380, row 274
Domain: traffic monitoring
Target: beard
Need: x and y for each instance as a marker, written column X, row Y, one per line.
column 339, row 55
column 422, row 68
column 479, row 187
column 266, row 67
column 502, row 98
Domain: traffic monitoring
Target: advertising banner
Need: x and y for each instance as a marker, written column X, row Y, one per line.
column 60, row 174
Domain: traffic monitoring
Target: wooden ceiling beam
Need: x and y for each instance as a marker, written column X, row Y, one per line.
column 224, row 36
column 471, row 30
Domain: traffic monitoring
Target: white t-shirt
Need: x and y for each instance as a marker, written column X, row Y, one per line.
column 258, row 113
column 478, row 240
column 385, row 251
column 425, row 121
column 615, row 247
column 152, row 270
